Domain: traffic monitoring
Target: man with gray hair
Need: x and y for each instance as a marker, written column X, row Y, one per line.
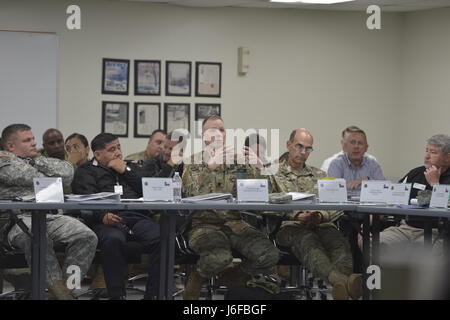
column 434, row 171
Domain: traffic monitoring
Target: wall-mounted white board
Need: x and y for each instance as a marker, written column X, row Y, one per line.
column 29, row 80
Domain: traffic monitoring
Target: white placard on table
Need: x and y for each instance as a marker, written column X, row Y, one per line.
column 48, row 189
column 439, row 196
column 252, row 190
column 375, row 191
column 399, row 193
column 332, row 190
column 157, row 189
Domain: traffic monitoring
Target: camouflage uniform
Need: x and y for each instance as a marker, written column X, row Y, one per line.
column 321, row 248
column 215, row 233
column 143, row 156
column 43, row 153
column 66, row 187
column 16, row 179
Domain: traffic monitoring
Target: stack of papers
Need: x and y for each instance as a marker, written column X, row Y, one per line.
column 94, row 196
column 208, row 197
column 25, row 198
column 300, row 195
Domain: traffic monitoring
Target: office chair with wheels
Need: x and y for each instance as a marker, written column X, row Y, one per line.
column 301, row 281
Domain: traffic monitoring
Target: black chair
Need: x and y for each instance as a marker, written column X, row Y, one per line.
column 12, row 258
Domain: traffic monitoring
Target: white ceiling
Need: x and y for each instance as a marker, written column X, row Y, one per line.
column 357, row 5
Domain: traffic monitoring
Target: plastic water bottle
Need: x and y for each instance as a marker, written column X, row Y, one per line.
column 177, row 184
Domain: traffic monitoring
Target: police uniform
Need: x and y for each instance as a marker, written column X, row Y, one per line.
column 93, row 177
column 215, row 233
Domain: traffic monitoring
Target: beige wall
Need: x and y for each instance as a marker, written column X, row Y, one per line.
column 313, row 69
column 425, row 82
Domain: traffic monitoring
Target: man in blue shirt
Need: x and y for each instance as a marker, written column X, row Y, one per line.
column 354, row 165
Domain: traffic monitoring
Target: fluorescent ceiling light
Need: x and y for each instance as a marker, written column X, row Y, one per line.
column 312, row 1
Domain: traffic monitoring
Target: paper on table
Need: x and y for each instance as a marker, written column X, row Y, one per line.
column 300, row 195
column 208, row 197
column 93, row 196
column 133, row 200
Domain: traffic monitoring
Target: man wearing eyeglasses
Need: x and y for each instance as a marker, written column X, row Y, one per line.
column 311, row 235
column 353, row 164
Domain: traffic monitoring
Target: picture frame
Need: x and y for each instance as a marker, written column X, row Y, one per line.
column 208, row 77
column 177, row 116
column 147, row 77
column 115, row 117
column 147, row 118
column 202, row 111
column 115, row 76
column 178, row 78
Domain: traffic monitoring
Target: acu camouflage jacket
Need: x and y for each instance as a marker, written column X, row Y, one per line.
column 289, row 179
column 16, row 173
column 199, row 179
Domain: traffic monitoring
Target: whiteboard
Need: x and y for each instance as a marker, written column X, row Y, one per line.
column 28, row 80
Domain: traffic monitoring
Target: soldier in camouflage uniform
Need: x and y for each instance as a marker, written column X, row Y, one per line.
column 155, row 146
column 18, row 166
column 311, row 235
column 53, row 145
column 215, row 233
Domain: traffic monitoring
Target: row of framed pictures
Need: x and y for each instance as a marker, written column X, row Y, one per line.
column 147, row 78
column 147, row 117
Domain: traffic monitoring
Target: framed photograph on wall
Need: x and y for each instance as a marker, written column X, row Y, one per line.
column 178, row 78
column 115, row 76
column 203, row 111
column 177, row 116
column 115, row 118
column 146, row 118
column 147, row 77
column 208, row 79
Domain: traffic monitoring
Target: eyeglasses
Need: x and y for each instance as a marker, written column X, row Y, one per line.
column 301, row 147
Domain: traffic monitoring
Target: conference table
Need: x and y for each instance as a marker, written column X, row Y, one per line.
column 168, row 218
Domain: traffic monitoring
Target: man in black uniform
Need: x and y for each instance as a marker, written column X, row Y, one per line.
column 105, row 173
column 436, row 170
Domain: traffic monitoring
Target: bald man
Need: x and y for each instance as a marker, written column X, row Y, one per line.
column 311, row 235
column 53, row 145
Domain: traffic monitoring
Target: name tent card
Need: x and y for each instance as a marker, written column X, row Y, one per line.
column 399, row 193
column 375, row 191
column 252, row 190
column 439, row 196
column 48, row 190
column 157, row 189
column 332, row 190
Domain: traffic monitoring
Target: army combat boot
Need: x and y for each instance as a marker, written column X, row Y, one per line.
column 355, row 286
column 233, row 277
column 339, row 282
column 193, row 286
column 60, row 291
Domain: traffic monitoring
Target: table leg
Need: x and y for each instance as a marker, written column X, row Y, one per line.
column 366, row 254
column 427, row 239
column 446, row 240
column 375, row 246
column 38, row 254
column 167, row 224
